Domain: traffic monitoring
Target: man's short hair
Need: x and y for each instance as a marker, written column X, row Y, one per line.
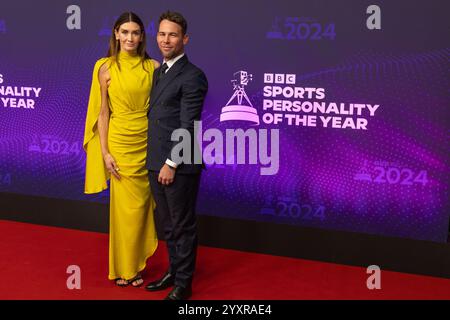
column 176, row 18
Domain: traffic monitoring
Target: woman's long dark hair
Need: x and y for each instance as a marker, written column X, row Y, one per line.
column 114, row 45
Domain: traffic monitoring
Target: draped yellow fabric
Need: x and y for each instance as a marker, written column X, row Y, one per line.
column 96, row 174
column 132, row 231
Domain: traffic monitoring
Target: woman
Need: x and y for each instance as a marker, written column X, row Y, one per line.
column 116, row 141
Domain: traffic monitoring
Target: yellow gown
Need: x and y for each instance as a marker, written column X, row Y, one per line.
column 132, row 236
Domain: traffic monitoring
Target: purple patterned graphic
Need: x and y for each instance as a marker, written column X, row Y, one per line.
column 388, row 177
column 391, row 179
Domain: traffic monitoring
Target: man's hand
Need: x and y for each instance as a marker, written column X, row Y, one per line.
column 166, row 175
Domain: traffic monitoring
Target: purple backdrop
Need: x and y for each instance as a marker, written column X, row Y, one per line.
column 390, row 178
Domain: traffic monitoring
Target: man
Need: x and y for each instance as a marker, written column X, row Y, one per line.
column 176, row 101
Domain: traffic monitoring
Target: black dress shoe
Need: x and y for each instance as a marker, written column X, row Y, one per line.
column 166, row 281
column 179, row 293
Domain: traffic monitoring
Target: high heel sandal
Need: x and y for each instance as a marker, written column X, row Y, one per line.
column 138, row 279
column 125, row 282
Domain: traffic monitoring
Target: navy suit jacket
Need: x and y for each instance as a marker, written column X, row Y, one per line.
column 176, row 101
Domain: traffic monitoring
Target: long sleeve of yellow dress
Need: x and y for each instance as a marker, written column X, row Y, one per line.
column 96, row 174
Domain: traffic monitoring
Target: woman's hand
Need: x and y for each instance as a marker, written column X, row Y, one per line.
column 111, row 165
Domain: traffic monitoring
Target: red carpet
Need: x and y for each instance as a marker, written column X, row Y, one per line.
column 34, row 259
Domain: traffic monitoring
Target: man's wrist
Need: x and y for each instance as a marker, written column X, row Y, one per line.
column 171, row 164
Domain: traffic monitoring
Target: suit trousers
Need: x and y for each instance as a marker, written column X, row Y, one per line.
column 175, row 215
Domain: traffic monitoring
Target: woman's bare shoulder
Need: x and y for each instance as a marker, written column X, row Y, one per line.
column 103, row 69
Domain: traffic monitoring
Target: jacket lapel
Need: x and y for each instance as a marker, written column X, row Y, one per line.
column 171, row 74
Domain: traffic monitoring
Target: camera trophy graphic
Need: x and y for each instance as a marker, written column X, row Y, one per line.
column 240, row 111
column 275, row 33
column 363, row 174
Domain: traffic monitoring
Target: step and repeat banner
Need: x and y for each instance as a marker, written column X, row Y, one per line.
column 328, row 114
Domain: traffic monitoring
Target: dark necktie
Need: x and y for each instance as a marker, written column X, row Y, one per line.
column 162, row 71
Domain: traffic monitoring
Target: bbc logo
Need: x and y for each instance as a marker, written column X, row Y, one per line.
column 279, row 78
